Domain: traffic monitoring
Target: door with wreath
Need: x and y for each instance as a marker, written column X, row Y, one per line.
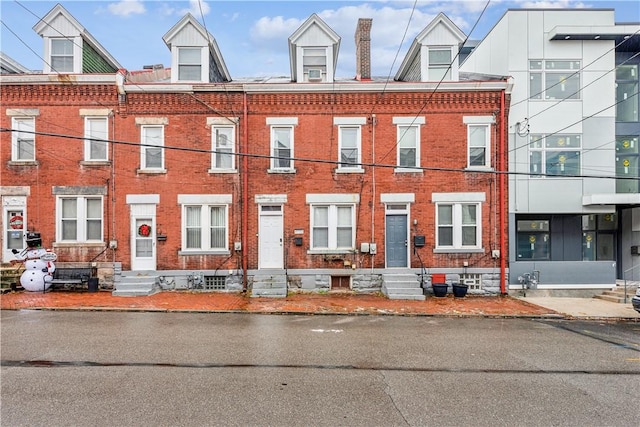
column 143, row 243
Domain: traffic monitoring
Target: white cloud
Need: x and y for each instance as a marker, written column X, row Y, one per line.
column 551, row 4
column 266, row 30
column 195, row 8
column 126, row 7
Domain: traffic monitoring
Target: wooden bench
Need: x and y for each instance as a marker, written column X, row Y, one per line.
column 71, row 277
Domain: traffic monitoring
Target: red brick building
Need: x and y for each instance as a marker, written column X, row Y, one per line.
column 193, row 180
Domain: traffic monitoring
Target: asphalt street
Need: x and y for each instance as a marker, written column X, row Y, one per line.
column 120, row 368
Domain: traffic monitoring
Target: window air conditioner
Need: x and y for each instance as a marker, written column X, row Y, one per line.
column 315, row 74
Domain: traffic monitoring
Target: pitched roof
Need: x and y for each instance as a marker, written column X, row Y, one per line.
column 314, row 19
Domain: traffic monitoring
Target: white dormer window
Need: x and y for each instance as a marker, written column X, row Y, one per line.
column 314, row 64
column 190, row 63
column 439, row 64
column 62, row 55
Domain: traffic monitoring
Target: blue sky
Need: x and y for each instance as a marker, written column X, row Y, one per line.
column 252, row 35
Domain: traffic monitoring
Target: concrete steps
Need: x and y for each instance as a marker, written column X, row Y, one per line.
column 135, row 286
column 402, row 286
column 270, row 284
column 617, row 294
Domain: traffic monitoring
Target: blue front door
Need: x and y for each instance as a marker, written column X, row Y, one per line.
column 396, row 241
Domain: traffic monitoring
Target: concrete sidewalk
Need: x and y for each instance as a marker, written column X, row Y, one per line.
column 328, row 303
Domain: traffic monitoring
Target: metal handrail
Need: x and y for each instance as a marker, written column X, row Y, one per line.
column 624, row 277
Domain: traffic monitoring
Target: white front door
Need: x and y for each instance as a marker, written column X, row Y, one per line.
column 143, row 238
column 14, row 226
column 270, row 248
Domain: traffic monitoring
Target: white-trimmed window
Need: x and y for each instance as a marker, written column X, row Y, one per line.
column 408, row 142
column 190, row 63
column 79, row 219
column 205, row 228
column 96, row 133
column 458, row 221
column 557, row 154
column 440, row 63
column 478, row 140
column 23, row 139
column 554, row 79
column 314, row 64
column 349, row 143
column 223, row 147
column 152, row 151
column 61, row 55
column 332, row 227
column 282, row 143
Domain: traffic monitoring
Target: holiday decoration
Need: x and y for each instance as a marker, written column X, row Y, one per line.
column 38, row 263
column 144, row 230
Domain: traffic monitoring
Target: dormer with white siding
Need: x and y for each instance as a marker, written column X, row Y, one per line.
column 433, row 55
column 69, row 48
column 313, row 52
column 195, row 56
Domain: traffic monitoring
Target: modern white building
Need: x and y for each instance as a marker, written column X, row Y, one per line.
column 574, row 204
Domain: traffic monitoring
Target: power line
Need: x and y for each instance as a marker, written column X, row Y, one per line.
column 307, row 160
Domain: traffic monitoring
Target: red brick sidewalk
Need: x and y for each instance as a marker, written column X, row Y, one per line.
column 338, row 303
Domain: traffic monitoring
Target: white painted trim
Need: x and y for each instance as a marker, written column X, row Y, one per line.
column 478, row 120
column 265, row 199
column 333, row 198
column 205, row 199
column 95, row 112
column 349, row 121
column 152, row 121
column 459, row 197
column 397, row 198
column 222, row 121
column 11, row 112
column 142, row 199
column 419, row 120
column 288, row 121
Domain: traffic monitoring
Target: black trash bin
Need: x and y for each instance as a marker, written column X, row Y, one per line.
column 93, row 284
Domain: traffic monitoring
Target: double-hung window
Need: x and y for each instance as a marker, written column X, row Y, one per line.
column 79, row 219
column 554, row 79
column 557, row 154
column 439, row 64
column 282, row 143
column 152, row 140
column 23, row 139
column 223, row 147
column 349, row 143
column 190, row 64
column 61, row 55
column 205, row 220
column 332, row 227
column 479, row 140
column 408, row 142
column 314, row 64
column 96, row 134
column 458, row 221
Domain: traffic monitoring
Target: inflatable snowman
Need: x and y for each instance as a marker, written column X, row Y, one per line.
column 39, row 266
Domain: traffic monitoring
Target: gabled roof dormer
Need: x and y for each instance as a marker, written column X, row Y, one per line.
column 195, row 56
column 433, row 54
column 9, row 66
column 313, row 51
column 69, row 48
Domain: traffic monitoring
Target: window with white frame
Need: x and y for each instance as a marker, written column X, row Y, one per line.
column 152, row 151
column 554, row 155
column 223, row 147
column 23, row 139
column 349, row 142
column 96, row 134
column 408, row 141
column 190, row 63
column 281, row 152
column 61, row 55
column 459, row 225
column 205, row 227
column 314, row 63
column 439, row 64
column 478, row 140
column 79, row 219
column 332, row 226
column 554, row 79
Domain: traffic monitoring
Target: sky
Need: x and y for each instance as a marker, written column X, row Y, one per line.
column 253, row 35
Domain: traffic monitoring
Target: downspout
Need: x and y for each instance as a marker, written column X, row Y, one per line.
column 245, row 190
column 373, row 184
column 503, row 176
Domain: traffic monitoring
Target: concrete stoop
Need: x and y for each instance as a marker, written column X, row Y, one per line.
column 402, row 286
column 617, row 294
column 134, row 286
column 272, row 285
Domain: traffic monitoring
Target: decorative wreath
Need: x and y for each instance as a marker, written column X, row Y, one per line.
column 144, row 230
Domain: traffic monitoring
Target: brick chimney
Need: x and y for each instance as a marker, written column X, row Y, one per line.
column 363, row 49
